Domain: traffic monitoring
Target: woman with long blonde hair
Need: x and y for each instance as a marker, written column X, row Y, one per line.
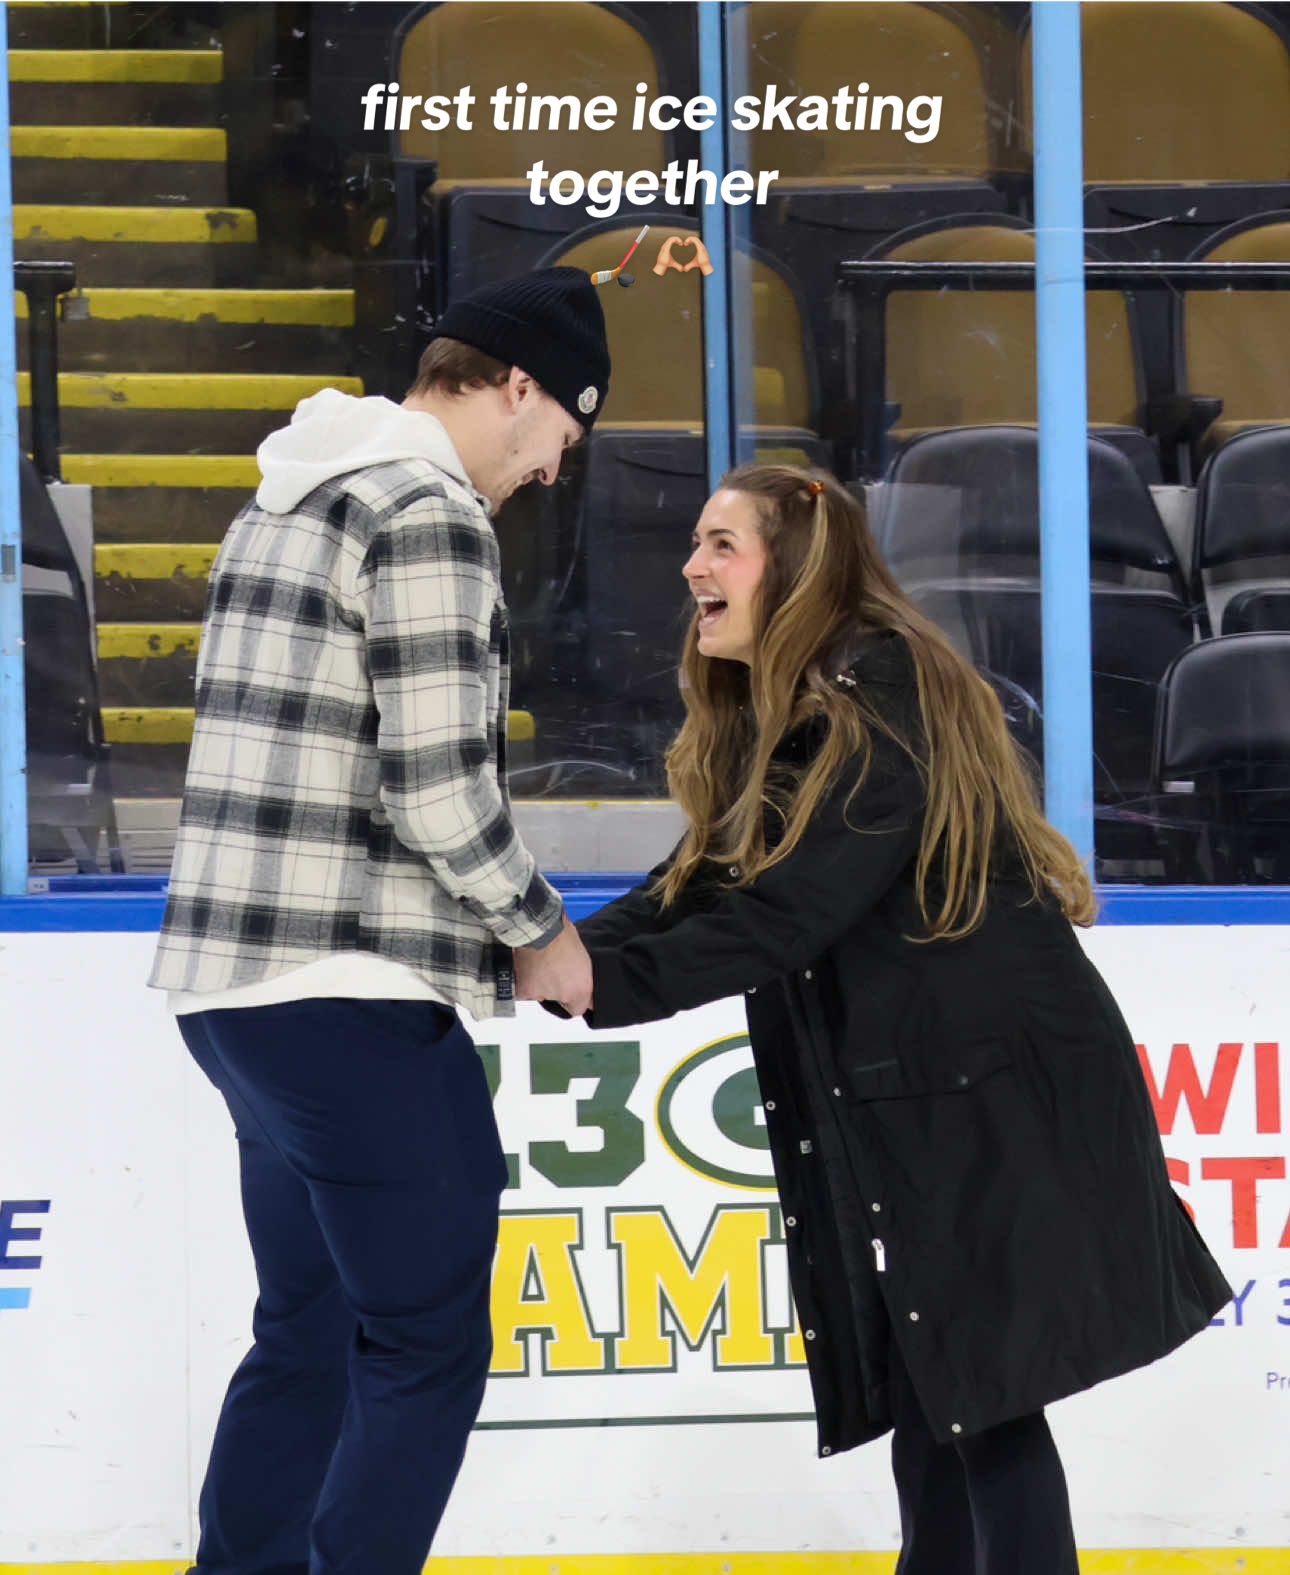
column 976, row 1206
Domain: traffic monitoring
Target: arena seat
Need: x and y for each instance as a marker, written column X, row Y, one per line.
column 484, row 225
column 908, row 50
column 1186, row 120
column 967, row 358
column 995, row 623
column 1258, row 610
column 958, row 522
column 596, row 625
column 1241, row 546
column 1225, row 335
column 965, row 502
column 1222, row 760
column 839, row 193
column 640, row 504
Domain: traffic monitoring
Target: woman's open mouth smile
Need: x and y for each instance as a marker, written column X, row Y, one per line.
column 711, row 611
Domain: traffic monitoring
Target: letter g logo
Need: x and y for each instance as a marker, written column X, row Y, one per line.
column 709, row 1115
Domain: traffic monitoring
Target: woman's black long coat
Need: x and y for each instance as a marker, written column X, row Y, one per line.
column 965, row 1149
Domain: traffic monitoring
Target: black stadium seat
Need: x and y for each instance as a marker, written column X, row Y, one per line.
column 1136, row 634
column 1252, row 611
column 596, row 659
column 958, row 522
column 641, row 500
column 1222, row 760
column 1242, row 541
column 966, row 501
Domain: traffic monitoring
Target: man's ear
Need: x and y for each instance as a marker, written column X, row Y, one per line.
column 518, row 388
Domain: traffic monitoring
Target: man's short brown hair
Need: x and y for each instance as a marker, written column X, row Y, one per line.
column 449, row 367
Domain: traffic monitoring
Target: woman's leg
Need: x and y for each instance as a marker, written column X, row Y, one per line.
column 1020, row 1508
column 936, row 1529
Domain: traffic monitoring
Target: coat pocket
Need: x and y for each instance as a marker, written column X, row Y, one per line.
column 949, row 1069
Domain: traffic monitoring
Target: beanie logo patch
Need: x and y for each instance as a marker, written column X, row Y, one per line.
column 588, row 399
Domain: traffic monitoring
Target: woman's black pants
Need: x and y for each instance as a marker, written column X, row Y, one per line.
column 991, row 1504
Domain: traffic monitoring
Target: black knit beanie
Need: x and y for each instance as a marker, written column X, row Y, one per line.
column 550, row 324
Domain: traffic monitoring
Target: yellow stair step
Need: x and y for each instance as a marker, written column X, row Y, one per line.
column 151, row 724
column 157, row 724
column 163, row 470
column 186, row 390
column 172, row 144
column 148, row 226
column 303, row 308
column 155, row 561
column 143, row 640
column 116, row 65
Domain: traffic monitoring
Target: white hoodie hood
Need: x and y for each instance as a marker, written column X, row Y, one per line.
column 333, row 433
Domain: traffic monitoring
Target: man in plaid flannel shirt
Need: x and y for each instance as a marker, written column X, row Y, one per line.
column 346, row 874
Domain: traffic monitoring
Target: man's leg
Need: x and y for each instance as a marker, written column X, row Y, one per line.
column 936, row 1530
column 1020, row 1507
column 281, row 1416
column 382, row 1109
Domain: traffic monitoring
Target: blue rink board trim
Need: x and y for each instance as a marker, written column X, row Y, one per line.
column 87, row 904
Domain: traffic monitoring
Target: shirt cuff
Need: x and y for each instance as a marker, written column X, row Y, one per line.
column 544, row 940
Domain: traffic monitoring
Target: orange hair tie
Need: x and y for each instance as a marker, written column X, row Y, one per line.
column 815, row 488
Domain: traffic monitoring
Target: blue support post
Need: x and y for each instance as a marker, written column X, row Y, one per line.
column 743, row 349
column 1063, row 422
column 13, row 711
column 717, row 286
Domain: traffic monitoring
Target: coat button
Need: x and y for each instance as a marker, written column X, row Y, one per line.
column 807, row 974
column 734, row 870
column 827, row 1449
column 955, row 1428
column 837, row 1093
column 805, row 1146
column 877, row 1208
column 751, row 990
column 963, row 1080
column 768, row 1105
column 809, row 1334
column 913, row 1317
column 791, row 1219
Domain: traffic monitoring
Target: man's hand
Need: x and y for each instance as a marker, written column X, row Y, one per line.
column 558, row 972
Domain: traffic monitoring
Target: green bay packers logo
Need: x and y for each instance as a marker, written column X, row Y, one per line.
column 709, row 1114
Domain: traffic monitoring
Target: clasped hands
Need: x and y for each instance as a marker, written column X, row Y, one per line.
column 558, row 972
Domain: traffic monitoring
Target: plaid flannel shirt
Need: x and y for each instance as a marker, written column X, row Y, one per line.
column 346, row 789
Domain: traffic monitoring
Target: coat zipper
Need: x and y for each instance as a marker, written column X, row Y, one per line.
column 880, row 1255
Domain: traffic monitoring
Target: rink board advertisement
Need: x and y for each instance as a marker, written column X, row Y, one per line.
column 649, row 1393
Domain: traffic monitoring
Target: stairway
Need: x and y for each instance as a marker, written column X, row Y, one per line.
column 173, row 364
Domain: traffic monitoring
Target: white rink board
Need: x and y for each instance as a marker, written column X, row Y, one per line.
column 139, row 1307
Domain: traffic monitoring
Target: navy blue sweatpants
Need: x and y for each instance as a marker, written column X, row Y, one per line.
column 371, row 1175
